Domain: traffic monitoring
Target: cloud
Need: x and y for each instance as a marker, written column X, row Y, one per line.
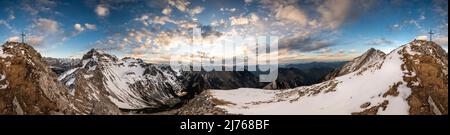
column 13, row 39
column 243, row 20
column 441, row 7
column 254, row 17
column 422, row 17
column 327, row 14
column 143, row 19
column 179, row 4
column 90, row 26
column 196, row 10
column 46, row 25
column 301, row 27
column 415, row 23
column 33, row 40
column 161, row 20
column 166, row 11
column 186, row 24
column 216, row 23
column 291, row 13
column 395, row 27
column 46, row 2
column 305, row 44
column 34, row 7
column 101, row 10
column 11, row 17
column 146, row 19
column 441, row 40
column 422, row 37
column 310, row 26
column 210, row 31
column 239, row 20
column 334, row 12
column 380, row 41
column 43, row 33
column 78, row 27
column 228, row 9
column 5, row 23
column 325, row 50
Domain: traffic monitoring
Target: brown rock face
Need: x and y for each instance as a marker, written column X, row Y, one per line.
column 428, row 78
column 27, row 85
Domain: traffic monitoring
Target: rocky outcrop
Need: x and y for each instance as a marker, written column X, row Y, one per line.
column 28, row 85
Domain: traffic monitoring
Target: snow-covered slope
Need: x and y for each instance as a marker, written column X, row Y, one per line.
column 411, row 79
column 106, row 84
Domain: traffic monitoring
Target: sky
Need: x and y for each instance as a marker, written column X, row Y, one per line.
column 308, row 30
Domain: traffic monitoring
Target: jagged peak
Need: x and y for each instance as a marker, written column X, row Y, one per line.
column 423, row 47
column 17, row 45
column 420, row 48
column 423, row 43
column 369, row 55
column 366, row 59
column 373, row 51
column 99, row 55
column 19, row 49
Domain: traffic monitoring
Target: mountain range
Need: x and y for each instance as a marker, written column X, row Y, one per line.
column 411, row 79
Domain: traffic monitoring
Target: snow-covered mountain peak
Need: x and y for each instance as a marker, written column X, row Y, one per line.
column 100, row 56
column 367, row 59
column 373, row 52
column 421, row 47
column 127, row 83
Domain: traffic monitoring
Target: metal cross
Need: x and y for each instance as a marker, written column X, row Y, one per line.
column 431, row 35
column 23, row 37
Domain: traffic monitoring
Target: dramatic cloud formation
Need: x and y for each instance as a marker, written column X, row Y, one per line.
column 308, row 30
